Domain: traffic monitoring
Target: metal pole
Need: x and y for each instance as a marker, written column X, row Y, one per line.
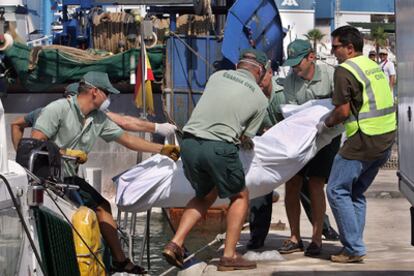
column 145, row 237
column 143, row 69
column 337, row 12
column 173, row 28
column 148, row 238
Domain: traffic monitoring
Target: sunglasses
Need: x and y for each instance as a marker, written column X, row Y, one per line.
column 334, row 47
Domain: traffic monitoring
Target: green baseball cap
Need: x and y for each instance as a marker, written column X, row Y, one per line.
column 72, row 89
column 297, row 50
column 99, row 80
column 254, row 54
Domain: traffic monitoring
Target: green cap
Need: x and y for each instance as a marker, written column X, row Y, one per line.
column 72, row 89
column 297, row 50
column 99, row 80
column 254, row 54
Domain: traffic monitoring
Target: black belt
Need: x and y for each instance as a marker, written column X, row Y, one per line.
column 189, row 135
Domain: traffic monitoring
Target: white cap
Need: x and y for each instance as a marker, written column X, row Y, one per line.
column 383, row 51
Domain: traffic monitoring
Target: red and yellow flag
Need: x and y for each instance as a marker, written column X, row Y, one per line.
column 149, row 76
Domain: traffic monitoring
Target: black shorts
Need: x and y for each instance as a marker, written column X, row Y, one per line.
column 321, row 164
column 90, row 197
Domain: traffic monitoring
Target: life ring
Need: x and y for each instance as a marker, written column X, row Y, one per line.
column 152, row 41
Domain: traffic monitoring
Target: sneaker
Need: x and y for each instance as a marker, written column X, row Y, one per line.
column 346, row 258
column 238, row 263
column 290, row 247
column 174, row 254
column 330, row 234
column 313, row 250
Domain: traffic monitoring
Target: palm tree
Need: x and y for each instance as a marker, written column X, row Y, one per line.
column 380, row 38
column 316, row 36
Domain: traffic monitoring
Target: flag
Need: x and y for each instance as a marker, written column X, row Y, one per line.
column 149, row 76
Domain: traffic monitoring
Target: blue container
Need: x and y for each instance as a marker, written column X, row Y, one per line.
column 256, row 21
column 190, row 71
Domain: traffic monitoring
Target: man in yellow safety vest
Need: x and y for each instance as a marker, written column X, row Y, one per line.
column 364, row 104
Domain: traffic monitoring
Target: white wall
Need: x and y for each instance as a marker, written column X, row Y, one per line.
column 344, row 18
column 298, row 23
column 11, row 2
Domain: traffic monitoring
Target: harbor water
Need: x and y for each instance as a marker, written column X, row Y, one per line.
column 161, row 233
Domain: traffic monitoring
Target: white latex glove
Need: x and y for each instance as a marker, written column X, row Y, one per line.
column 165, row 129
column 321, row 127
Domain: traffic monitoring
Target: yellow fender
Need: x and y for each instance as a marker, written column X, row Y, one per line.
column 86, row 223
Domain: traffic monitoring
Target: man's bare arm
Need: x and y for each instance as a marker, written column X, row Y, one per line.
column 17, row 130
column 131, row 123
column 138, row 144
column 338, row 115
column 392, row 82
column 80, row 155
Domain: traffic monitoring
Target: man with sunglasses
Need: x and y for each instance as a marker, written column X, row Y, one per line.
column 230, row 110
column 364, row 104
column 308, row 81
column 387, row 66
column 75, row 123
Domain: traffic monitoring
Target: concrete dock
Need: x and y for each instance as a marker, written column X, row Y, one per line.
column 387, row 236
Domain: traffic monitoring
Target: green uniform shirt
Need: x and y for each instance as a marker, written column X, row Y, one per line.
column 274, row 114
column 63, row 123
column 232, row 104
column 299, row 91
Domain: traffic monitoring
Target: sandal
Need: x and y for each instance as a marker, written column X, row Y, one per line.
column 290, row 247
column 174, row 254
column 122, row 267
column 238, row 263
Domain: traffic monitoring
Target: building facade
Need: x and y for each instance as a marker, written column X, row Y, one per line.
column 300, row 16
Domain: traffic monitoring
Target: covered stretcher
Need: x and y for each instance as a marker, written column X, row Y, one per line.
column 277, row 156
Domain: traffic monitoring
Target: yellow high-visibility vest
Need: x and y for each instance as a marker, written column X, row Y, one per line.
column 377, row 115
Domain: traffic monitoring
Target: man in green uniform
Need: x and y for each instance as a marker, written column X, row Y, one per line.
column 260, row 214
column 126, row 122
column 74, row 123
column 230, row 111
column 261, row 207
column 308, row 81
column 365, row 105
